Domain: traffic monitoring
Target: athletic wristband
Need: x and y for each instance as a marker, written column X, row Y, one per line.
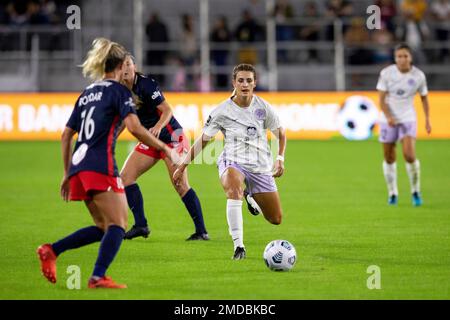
column 280, row 158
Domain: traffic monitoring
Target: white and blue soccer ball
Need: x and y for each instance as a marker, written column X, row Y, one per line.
column 280, row 255
column 357, row 118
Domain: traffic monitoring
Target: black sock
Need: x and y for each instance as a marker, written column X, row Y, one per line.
column 136, row 204
column 78, row 239
column 192, row 204
column 108, row 249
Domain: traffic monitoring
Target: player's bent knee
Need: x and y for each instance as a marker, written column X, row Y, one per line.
column 236, row 193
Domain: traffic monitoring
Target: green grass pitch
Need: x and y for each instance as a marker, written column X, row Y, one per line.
column 335, row 213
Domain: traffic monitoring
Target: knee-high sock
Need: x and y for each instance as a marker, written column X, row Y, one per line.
column 194, row 208
column 78, row 239
column 413, row 170
column 390, row 175
column 235, row 224
column 109, row 247
column 136, row 204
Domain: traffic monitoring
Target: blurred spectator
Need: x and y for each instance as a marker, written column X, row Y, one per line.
column 356, row 38
column 388, row 11
column 440, row 10
column 188, row 49
column 156, row 31
column 36, row 16
column 413, row 29
column 338, row 9
column 247, row 32
column 383, row 40
column 310, row 31
column 18, row 12
column 221, row 35
column 282, row 13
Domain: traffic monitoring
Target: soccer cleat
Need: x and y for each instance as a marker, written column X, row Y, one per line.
column 104, row 282
column 48, row 261
column 393, row 200
column 136, row 231
column 239, row 253
column 252, row 206
column 416, row 199
column 198, row 236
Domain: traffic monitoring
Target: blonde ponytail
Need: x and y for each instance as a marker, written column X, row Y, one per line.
column 104, row 56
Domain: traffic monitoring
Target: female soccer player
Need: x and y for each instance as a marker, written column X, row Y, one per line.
column 90, row 173
column 155, row 114
column 397, row 85
column 246, row 159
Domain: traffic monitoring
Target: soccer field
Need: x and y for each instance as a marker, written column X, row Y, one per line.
column 335, row 213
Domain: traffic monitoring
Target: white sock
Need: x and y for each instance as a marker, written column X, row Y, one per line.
column 413, row 170
column 390, row 175
column 235, row 224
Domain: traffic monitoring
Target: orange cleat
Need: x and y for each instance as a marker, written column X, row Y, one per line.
column 105, row 282
column 48, row 261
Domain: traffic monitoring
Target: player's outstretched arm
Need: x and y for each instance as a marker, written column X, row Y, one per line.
column 426, row 111
column 136, row 129
column 66, row 148
column 278, row 168
column 196, row 148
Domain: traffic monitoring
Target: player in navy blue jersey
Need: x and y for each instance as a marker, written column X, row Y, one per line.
column 155, row 114
column 90, row 173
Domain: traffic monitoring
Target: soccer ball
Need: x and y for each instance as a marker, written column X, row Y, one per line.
column 357, row 118
column 280, row 255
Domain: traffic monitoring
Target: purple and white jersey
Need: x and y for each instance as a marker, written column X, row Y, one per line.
column 401, row 89
column 245, row 133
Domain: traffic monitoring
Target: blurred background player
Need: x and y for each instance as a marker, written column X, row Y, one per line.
column 90, row 173
column 246, row 159
column 397, row 85
column 155, row 114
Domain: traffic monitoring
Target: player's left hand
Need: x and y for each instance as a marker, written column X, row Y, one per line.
column 278, row 169
column 65, row 188
column 428, row 126
column 156, row 131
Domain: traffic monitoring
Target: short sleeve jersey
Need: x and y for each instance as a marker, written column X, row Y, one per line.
column 150, row 97
column 97, row 116
column 245, row 133
column 401, row 89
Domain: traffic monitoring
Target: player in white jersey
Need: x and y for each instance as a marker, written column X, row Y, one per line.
column 246, row 159
column 397, row 85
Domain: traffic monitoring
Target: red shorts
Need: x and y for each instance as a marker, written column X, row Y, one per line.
column 84, row 182
column 182, row 146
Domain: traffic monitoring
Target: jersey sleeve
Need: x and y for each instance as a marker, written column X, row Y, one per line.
column 423, row 88
column 212, row 124
column 74, row 118
column 125, row 103
column 382, row 82
column 272, row 121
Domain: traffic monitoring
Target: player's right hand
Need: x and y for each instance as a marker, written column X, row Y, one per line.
column 391, row 121
column 65, row 188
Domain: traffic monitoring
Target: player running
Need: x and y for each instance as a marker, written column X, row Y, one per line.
column 397, row 85
column 155, row 114
column 246, row 159
column 90, row 173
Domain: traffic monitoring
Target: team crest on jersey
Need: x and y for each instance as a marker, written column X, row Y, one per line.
column 251, row 131
column 411, row 82
column 400, row 92
column 260, row 114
